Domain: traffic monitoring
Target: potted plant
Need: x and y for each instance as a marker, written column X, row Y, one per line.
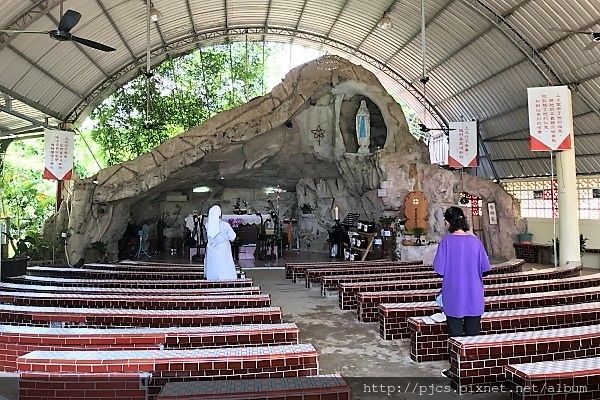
column 386, row 222
column 418, row 232
column 306, row 208
column 525, row 237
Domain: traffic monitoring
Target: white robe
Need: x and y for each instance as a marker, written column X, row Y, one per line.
column 218, row 261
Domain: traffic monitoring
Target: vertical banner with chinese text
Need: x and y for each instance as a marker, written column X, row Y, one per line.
column 550, row 118
column 58, row 155
column 462, row 146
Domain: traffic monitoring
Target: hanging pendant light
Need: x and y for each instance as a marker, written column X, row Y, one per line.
column 155, row 15
column 386, row 22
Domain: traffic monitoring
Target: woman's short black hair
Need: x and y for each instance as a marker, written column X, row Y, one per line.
column 456, row 219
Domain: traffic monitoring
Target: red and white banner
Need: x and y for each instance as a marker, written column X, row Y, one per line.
column 550, row 118
column 59, row 154
column 462, row 146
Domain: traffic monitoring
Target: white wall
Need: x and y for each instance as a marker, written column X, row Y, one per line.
column 542, row 229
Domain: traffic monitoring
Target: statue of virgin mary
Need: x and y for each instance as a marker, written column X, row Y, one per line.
column 363, row 128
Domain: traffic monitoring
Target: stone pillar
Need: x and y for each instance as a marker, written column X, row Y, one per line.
column 568, row 206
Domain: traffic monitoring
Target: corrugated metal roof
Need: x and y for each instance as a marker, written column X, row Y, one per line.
column 481, row 57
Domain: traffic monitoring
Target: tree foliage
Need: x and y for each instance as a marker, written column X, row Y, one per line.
column 182, row 93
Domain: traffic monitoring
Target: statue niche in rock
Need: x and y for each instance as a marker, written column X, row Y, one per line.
column 363, row 128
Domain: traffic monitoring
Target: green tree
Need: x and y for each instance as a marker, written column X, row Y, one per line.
column 180, row 94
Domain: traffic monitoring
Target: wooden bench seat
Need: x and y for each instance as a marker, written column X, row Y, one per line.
column 313, row 276
column 427, row 345
column 179, row 365
column 294, row 271
column 368, row 302
column 17, row 340
column 115, row 317
column 476, row 360
column 347, row 291
column 88, row 290
column 577, row 379
column 43, row 299
column 123, row 283
column 315, row 387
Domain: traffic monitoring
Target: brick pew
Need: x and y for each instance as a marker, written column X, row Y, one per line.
column 576, row 379
column 314, row 276
column 156, row 267
column 68, row 300
column 476, row 360
column 426, row 344
column 368, row 302
column 332, row 282
column 86, row 273
column 114, row 386
column 115, row 317
column 323, row 275
column 433, row 335
column 18, row 340
column 177, row 365
column 83, row 290
column 324, row 387
column 348, row 299
column 294, row 271
column 122, row 283
column 396, row 322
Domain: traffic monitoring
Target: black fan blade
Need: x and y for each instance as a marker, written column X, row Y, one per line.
column 92, row 44
column 68, row 21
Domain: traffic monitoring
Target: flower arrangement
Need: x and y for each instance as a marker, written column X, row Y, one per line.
column 235, row 222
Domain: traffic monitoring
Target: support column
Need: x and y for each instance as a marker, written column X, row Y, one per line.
column 568, row 206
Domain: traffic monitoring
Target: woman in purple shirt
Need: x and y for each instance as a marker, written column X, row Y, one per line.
column 462, row 262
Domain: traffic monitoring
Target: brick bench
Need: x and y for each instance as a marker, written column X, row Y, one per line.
column 84, row 273
column 68, row 300
column 432, row 337
column 426, row 345
column 114, row 317
column 16, row 341
column 477, row 360
column 88, row 290
column 332, row 282
column 368, row 302
column 122, row 283
column 566, row 379
column 118, row 386
column 179, row 365
column 324, row 387
column 348, row 299
column 153, row 267
column 313, row 276
column 294, row 271
column 395, row 324
column 328, row 277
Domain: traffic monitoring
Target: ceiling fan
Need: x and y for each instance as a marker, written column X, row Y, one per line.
column 595, row 36
column 63, row 32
